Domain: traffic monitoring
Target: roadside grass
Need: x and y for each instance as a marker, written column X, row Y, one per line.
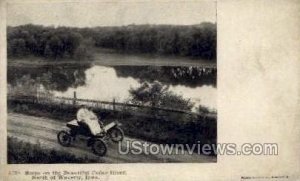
column 20, row 152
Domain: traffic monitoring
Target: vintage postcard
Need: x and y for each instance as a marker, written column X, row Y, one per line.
column 153, row 90
column 112, row 88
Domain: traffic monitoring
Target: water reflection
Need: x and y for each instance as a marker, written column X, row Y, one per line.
column 104, row 83
column 107, row 82
column 187, row 76
column 52, row 77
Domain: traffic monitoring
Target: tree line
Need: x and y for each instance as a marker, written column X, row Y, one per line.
column 193, row 41
column 49, row 42
column 196, row 41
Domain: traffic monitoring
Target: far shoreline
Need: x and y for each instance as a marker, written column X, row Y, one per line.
column 112, row 58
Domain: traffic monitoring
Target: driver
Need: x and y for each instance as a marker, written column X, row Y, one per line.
column 87, row 116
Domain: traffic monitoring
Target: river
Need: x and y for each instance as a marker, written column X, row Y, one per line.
column 111, row 79
column 103, row 83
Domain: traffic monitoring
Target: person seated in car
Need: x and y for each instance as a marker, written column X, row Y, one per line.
column 88, row 117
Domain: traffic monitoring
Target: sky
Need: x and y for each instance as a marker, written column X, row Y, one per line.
column 91, row 14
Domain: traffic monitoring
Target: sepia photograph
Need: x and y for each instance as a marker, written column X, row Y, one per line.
column 112, row 82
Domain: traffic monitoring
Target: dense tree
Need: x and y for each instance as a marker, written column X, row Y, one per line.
column 193, row 41
column 45, row 41
column 198, row 41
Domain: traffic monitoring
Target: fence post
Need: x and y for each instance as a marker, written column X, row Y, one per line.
column 114, row 104
column 74, row 99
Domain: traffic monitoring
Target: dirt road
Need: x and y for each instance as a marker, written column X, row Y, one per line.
column 44, row 130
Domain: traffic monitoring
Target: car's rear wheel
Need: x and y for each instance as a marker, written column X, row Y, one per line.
column 99, row 147
column 64, row 138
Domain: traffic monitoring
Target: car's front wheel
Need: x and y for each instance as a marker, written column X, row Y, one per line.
column 116, row 134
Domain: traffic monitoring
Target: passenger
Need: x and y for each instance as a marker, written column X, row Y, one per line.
column 87, row 116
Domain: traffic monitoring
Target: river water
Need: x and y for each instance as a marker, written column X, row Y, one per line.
column 107, row 83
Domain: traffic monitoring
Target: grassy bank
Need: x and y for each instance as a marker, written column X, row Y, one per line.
column 20, row 152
